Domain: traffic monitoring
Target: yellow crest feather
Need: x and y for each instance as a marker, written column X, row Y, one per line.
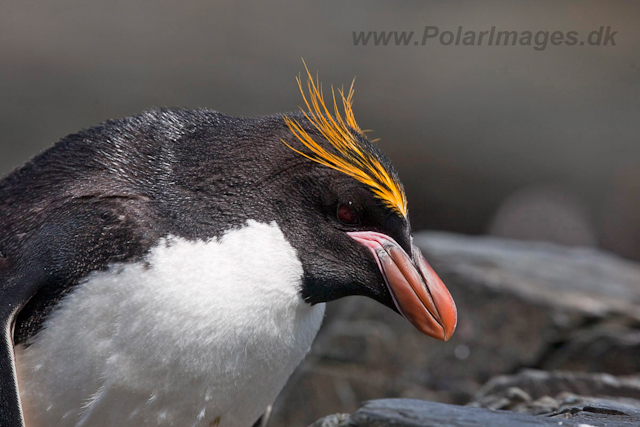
column 348, row 157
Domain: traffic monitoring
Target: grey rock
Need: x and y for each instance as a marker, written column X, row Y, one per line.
column 604, row 395
column 541, row 383
column 517, row 395
column 607, row 348
column 335, row 420
column 543, row 405
column 508, row 398
column 414, row 413
column 569, row 401
column 577, row 279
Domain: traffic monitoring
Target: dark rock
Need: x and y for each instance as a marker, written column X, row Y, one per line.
column 606, row 348
column 540, row 383
column 575, row 407
column 603, row 395
column 414, row 413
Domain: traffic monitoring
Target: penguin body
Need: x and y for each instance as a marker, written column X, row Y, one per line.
column 171, row 268
column 137, row 365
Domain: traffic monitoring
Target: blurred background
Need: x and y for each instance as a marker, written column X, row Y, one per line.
column 512, row 141
column 508, row 140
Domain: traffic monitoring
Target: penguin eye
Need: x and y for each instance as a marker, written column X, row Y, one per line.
column 347, row 215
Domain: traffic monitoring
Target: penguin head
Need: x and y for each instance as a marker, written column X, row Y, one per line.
column 347, row 197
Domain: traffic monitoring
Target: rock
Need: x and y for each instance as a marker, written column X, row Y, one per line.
column 417, row 413
column 502, row 399
column 606, row 348
column 582, row 280
column 540, row 383
column 543, row 405
column 569, row 402
column 600, row 393
column 520, row 305
column 335, row 420
column 515, row 394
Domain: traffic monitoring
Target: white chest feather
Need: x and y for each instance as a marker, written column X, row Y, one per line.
column 201, row 331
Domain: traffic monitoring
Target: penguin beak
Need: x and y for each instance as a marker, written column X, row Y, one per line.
column 419, row 294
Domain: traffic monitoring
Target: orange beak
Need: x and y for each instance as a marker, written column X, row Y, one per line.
column 417, row 291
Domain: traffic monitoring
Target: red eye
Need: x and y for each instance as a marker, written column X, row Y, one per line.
column 347, row 215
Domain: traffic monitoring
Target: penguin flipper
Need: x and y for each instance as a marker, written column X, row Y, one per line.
column 16, row 288
column 54, row 259
column 10, row 409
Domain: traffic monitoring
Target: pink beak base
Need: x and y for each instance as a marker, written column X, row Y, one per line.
column 417, row 291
